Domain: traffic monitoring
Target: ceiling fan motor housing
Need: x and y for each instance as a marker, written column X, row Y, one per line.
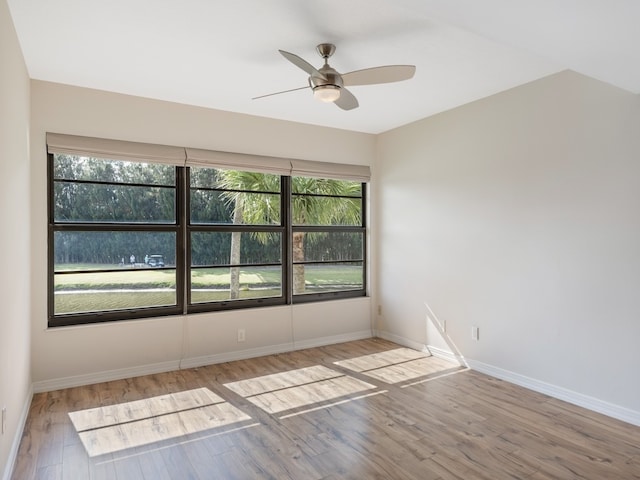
column 329, row 77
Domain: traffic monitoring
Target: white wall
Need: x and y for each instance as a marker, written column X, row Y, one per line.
column 15, row 378
column 84, row 354
column 520, row 214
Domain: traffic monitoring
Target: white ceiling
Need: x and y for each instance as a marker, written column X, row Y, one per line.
column 220, row 54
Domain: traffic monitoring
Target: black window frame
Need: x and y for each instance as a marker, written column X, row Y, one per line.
column 183, row 229
column 230, row 304
column 80, row 318
column 361, row 229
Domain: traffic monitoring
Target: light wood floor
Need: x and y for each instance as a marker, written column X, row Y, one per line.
column 359, row 410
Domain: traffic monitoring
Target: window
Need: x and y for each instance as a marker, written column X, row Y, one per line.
column 328, row 237
column 108, row 218
column 136, row 235
column 236, row 238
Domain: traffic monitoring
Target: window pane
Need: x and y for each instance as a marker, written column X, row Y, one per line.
column 102, row 271
column 324, row 186
column 83, row 251
column 214, row 248
column 207, row 206
column 215, row 284
column 202, row 177
column 218, row 207
column 328, row 246
column 104, row 291
column 324, row 278
column 231, row 196
column 98, row 190
column 72, row 167
column 313, row 210
column 86, row 202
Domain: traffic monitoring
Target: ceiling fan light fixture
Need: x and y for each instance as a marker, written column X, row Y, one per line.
column 326, row 93
column 329, row 86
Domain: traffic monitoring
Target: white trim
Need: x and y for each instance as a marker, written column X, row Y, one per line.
column 435, row 351
column 17, row 438
column 331, row 340
column 447, row 355
column 392, row 337
column 205, row 360
column 585, row 401
column 272, row 349
column 107, row 376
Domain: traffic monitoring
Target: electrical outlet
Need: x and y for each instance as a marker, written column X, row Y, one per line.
column 379, row 309
column 241, row 335
column 475, row 333
column 4, row 419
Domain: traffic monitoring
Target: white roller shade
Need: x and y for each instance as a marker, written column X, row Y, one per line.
column 115, row 149
column 147, row 152
column 340, row 171
column 238, row 161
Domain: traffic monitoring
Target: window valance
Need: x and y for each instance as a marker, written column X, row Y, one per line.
column 173, row 155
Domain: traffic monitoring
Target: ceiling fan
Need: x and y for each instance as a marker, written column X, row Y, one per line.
column 330, row 86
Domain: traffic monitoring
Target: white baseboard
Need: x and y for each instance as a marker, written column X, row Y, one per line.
column 202, row 361
column 15, row 445
column 585, row 401
column 392, row 337
column 447, row 355
column 205, row 360
column 435, row 351
column 331, row 340
column 106, row 376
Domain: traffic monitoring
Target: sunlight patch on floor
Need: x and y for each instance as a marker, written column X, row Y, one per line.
column 297, row 388
column 397, row 365
column 127, row 425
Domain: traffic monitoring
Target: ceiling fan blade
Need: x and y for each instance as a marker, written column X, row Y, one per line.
column 278, row 93
column 375, row 75
column 303, row 64
column 346, row 101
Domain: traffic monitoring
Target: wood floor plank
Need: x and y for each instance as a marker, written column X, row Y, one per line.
column 30, row 443
column 102, row 468
column 278, row 451
column 128, row 468
column 152, row 464
column 359, row 410
column 50, row 472
column 281, row 381
column 309, row 394
column 75, row 463
column 176, row 461
column 387, row 358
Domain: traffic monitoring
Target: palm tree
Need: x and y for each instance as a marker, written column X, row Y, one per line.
column 315, row 201
column 320, row 201
column 248, row 208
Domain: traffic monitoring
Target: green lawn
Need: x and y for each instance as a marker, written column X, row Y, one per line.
column 144, row 278
column 141, row 287
column 89, row 301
